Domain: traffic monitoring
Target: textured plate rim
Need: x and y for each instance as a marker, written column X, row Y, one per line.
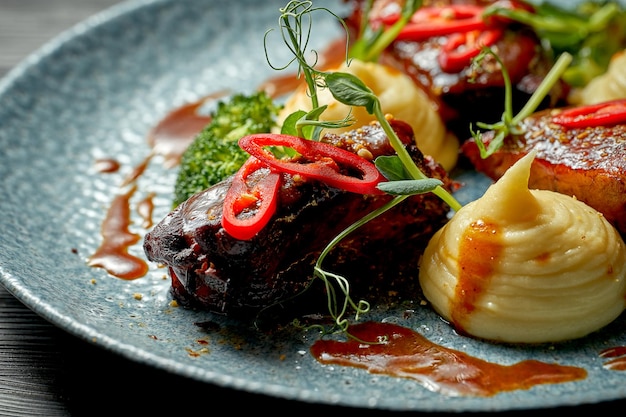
column 85, row 332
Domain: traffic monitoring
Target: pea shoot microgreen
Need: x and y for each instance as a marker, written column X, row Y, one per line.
column 296, row 31
column 405, row 177
column 511, row 124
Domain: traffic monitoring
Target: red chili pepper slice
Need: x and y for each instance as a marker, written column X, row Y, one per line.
column 319, row 161
column 439, row 21
column 607, row 113
column 251, row 199
column 458, row 51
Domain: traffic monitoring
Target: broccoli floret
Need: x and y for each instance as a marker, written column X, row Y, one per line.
column 214, row 153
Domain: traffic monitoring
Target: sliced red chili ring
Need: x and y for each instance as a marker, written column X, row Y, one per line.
column 448, row 12
column 319, row 161
column 250, row 202
column 607, row 113
column 458, row 51
column 440, row 21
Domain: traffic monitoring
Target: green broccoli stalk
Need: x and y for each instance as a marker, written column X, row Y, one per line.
column 214, row 153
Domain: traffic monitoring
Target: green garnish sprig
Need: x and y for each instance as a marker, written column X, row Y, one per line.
column 338, row 309
column 295, row 23
column 510, row 124
column 350, row 90
column 405, row 177
column 296, row 31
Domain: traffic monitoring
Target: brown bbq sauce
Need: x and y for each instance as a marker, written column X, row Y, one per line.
column 169, row 138
column 112, row 255
column 480, row 249
column 407, row 354
column 107, row 165
column 616, row 358
column 175, row 132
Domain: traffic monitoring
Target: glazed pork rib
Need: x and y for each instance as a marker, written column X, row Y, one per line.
column 473, row 92
column 211, row 270
column 588, row 163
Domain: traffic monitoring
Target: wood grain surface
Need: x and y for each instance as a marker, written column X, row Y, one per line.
column 47, row 372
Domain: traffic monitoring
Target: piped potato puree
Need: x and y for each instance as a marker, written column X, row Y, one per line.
column 525, row 266
column 399, row 96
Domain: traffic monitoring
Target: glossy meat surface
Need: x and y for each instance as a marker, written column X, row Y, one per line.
column 211, row 270
column 588, row 163
column 473, row 93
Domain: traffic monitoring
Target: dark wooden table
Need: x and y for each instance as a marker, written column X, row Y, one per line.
column 45, row 371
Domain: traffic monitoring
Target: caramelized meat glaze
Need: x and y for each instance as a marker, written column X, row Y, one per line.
column 476, row 92
column 588, row 163
column 214, row 271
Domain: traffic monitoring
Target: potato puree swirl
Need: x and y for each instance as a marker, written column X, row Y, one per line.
column 398, row 96
column 525, row 266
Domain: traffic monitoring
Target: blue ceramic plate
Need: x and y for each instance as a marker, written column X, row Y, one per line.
column 95, row 92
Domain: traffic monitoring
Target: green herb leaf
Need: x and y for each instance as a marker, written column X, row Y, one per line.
column 350, row 90
column 312, row 130
column 289, row 126
column 410, row 187
column 392, row 168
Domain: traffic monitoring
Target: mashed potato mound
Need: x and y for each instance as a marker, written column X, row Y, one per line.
column 526, row 266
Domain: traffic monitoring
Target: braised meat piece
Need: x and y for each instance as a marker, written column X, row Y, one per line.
column 211, row 270
column 588, row 163
column 467, row 94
